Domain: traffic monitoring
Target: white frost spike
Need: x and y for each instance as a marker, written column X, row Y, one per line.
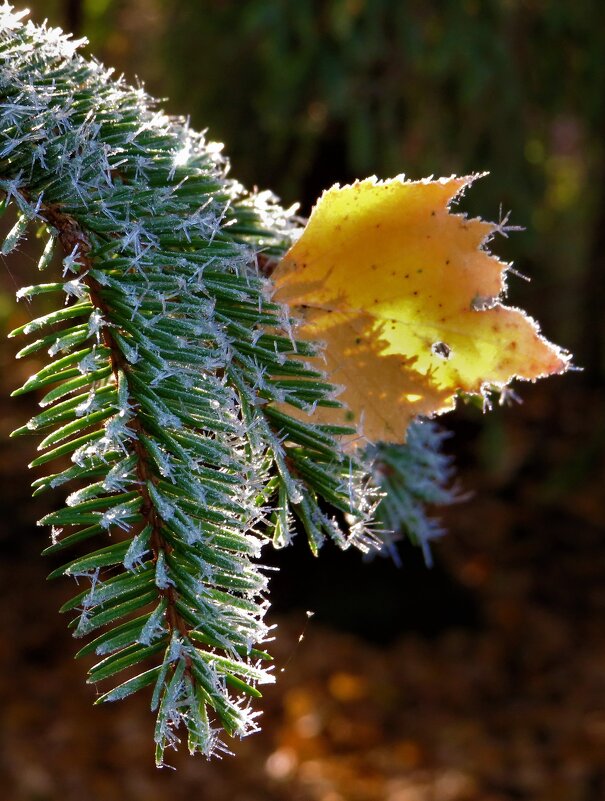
column 84, row 625
column 120, row 476
column 89, row 363
column 162, row 579
column 131, row 353
column 74, row 498
column 176, row 647
column 24, row 292
column 154, row 627
column 71, row 263
column 12, row 186
column 117, row 516
column 162, row 375
column 75, row 288
column 168, row 420
column 136, row 551
column 95, row 323
column 181, row 157
column 88, row 405
column 117, row 433
column 90, row 598
column 55, row 533
column 164, row 463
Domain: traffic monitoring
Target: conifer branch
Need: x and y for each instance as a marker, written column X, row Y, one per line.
column 169, row 378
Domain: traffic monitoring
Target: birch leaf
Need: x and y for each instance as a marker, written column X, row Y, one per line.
column 407, row 300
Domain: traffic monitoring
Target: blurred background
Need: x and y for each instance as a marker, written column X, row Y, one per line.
column 482, row 679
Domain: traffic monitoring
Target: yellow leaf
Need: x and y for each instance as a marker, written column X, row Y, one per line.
column 407, row 301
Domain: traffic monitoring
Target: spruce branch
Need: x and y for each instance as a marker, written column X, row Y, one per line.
column 166, row 393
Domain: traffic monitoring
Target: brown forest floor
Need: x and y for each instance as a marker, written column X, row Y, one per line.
column 495, row 697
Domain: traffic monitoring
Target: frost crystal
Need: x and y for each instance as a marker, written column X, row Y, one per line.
column 154, row 627
column 71, row 263
column 162, row 579
column 75, row 288
column 116, row 516
column 138, row 548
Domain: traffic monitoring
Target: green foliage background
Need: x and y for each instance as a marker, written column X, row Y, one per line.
column 311, row 92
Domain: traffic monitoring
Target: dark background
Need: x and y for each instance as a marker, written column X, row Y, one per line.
column 484, row 678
